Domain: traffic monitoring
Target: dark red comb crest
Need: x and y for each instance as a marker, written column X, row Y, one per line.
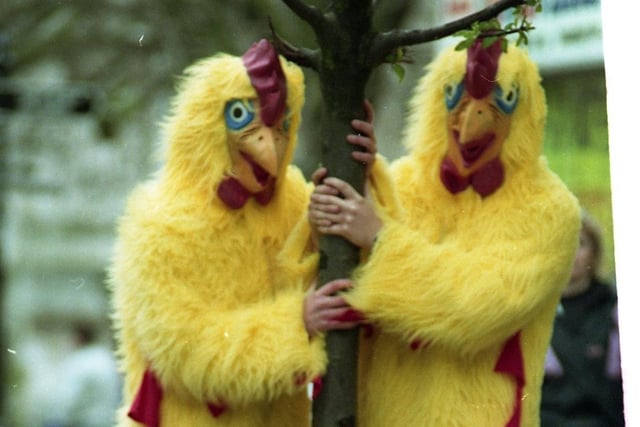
column 267, row 78
column 482, row 68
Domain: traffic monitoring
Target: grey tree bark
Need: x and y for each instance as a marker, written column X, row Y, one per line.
column 349, row 50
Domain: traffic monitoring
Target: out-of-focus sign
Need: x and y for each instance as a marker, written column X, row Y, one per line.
column 567, row 34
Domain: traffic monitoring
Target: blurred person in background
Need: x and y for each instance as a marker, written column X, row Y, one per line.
column 88, row 390
column 583, row 382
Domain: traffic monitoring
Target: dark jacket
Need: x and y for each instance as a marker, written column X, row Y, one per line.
column 583, row 384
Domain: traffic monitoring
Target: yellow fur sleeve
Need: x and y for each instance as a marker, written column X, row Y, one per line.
column 297, row 259
column 204, row 310
column 475, row 285
column 383, row 190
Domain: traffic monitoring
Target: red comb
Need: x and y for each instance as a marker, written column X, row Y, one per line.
column 267, row 78
column 482, row 68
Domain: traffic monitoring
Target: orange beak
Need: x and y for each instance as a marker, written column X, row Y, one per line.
column 256, row 156
column 476, row 134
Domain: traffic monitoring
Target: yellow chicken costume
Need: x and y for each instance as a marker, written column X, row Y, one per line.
column 461, row 290
column 209, row 321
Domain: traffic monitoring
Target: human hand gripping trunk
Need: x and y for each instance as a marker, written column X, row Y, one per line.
column 325, row 309
column 364, row 139
column 336, row 207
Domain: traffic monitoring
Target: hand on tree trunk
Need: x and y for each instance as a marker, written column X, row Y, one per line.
column 336, row 208
column 325, row 309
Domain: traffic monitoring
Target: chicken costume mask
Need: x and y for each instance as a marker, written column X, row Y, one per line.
column 462, row 288
column 209, row 321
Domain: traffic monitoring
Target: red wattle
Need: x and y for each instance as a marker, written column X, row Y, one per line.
column 232, row 193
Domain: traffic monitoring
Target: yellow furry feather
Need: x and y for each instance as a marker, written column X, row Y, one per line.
column 200, row 295
column 453, row 277
column 197, row 115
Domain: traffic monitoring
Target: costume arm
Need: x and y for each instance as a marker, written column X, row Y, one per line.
column 298, row 259
column 182, row 314
column 469, row 290
column 383, row 190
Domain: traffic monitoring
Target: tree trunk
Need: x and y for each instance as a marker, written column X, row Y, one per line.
column 349, row 50
column 343, row 78
column 336, row 404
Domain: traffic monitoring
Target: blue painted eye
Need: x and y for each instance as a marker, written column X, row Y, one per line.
column 507, row 101
column 452, row 94
column 238, row 113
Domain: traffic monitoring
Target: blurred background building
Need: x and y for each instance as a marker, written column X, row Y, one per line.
column 83, row 86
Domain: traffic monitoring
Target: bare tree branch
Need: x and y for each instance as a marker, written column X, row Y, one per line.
column 385, row 43
column 309, row 14
column 309, row 58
